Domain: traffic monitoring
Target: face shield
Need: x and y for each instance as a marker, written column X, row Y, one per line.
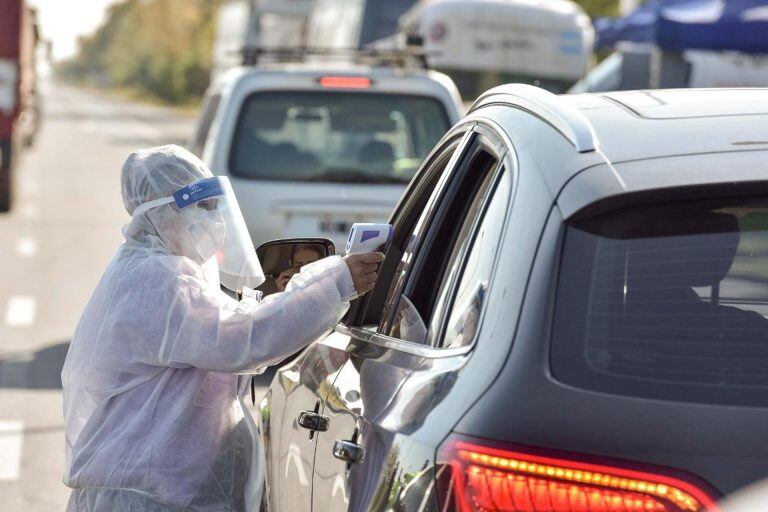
column 214, row 227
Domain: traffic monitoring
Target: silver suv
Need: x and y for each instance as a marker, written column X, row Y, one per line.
column 572, row 316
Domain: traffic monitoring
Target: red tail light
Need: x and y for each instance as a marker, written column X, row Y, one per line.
column 346, row 82
column 475, row 477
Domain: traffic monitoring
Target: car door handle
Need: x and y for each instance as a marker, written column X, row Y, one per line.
column 313, row 421
column 349, row 452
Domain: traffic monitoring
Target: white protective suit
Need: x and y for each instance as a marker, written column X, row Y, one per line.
column 152, row 416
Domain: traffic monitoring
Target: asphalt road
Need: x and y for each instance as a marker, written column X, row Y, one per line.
column 63, row 230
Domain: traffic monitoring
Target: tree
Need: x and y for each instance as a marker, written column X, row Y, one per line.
column 161, row 47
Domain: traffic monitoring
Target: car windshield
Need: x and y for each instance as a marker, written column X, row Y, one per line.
column 667, row 302
column 335, row 136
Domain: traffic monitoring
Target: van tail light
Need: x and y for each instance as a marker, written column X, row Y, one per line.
column 346, row 82
column 475, row 476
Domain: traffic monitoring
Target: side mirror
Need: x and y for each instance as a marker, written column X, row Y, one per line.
column 281, row 259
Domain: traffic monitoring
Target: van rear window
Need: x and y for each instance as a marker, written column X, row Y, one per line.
column 335, row 136
column 667, row 302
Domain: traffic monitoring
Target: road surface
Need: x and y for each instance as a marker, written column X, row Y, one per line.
column 63, row 230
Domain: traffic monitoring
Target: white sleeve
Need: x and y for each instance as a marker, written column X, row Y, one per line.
column 208, row 330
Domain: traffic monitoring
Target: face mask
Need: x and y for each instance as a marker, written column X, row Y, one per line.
column 207, row 231
column 211, row 271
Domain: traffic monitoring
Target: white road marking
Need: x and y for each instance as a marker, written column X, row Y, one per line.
column 21, row 311
column 26, row 247
column 11, row 439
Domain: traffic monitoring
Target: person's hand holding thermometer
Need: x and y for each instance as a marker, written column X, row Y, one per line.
column 362, row 256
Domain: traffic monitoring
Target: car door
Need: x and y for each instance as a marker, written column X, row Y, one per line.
column 370, row 403
column 297, row 394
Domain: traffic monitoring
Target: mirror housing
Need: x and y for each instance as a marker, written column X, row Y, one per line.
column 282, row 258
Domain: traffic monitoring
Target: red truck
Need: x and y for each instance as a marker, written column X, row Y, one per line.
column 18, row 88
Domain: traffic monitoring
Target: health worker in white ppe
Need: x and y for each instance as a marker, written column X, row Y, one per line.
column 152, row 396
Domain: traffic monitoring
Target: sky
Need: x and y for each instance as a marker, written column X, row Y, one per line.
column 62, row 21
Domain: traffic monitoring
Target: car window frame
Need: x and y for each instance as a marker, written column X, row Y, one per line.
column 502, row 149
column 420, row 229
column 455, row 144
column 452, row 287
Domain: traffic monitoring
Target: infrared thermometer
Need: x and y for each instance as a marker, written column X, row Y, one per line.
column 367, row 237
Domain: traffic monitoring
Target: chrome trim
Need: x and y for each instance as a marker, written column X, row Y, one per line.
column 407, row 347
column 568, row 120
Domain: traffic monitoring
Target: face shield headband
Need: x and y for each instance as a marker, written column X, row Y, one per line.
column 215, row 227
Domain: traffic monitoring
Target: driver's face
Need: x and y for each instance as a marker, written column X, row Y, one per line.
column 305, row 256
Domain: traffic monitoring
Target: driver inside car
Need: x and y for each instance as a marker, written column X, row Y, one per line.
column 302, row 255
column 151, row 380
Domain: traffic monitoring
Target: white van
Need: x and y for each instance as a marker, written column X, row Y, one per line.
column 312, row 148
column 484, row 43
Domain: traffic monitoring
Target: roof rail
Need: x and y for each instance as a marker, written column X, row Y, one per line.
column 565, row 118
column 391, row 57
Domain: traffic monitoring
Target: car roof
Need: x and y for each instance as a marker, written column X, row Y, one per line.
column 319, row 68
column 632, row 125
column 642, row 141
column 306, row 75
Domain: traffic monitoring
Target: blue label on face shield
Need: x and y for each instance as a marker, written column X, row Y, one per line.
column 199, row 190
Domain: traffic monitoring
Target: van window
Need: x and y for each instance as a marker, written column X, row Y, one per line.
column 334, row 136
column 667, row 302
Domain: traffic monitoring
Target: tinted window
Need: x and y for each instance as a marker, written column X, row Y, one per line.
column 436, row 262
column 335, row 136
column 473, row 271
column 667, row 302
column 410, row 224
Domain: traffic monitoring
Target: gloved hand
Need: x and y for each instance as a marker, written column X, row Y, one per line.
column 364, row 269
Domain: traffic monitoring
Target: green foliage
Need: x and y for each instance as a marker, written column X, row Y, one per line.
column 600, row 8
column 159, row 47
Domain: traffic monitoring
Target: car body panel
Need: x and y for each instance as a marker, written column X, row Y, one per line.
column 725, row 446
column 359, row 407
column 625, row 135
column 302, row 385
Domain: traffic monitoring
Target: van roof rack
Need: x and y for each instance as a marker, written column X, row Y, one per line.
column 550, row 107
column 252, row 56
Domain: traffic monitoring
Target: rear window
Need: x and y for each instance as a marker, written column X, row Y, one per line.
column 667, row 302
column 335, row 136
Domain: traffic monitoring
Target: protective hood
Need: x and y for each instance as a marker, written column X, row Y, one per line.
column 179, row 208
column 214, row 227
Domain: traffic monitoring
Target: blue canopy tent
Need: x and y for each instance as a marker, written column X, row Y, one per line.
column 677, row 25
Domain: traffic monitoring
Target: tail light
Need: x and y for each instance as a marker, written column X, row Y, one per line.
column 477, row 477
column 346, row 82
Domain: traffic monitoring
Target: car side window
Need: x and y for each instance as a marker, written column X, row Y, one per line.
column 471, row 269
column 436, row 265
column 410, row 228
